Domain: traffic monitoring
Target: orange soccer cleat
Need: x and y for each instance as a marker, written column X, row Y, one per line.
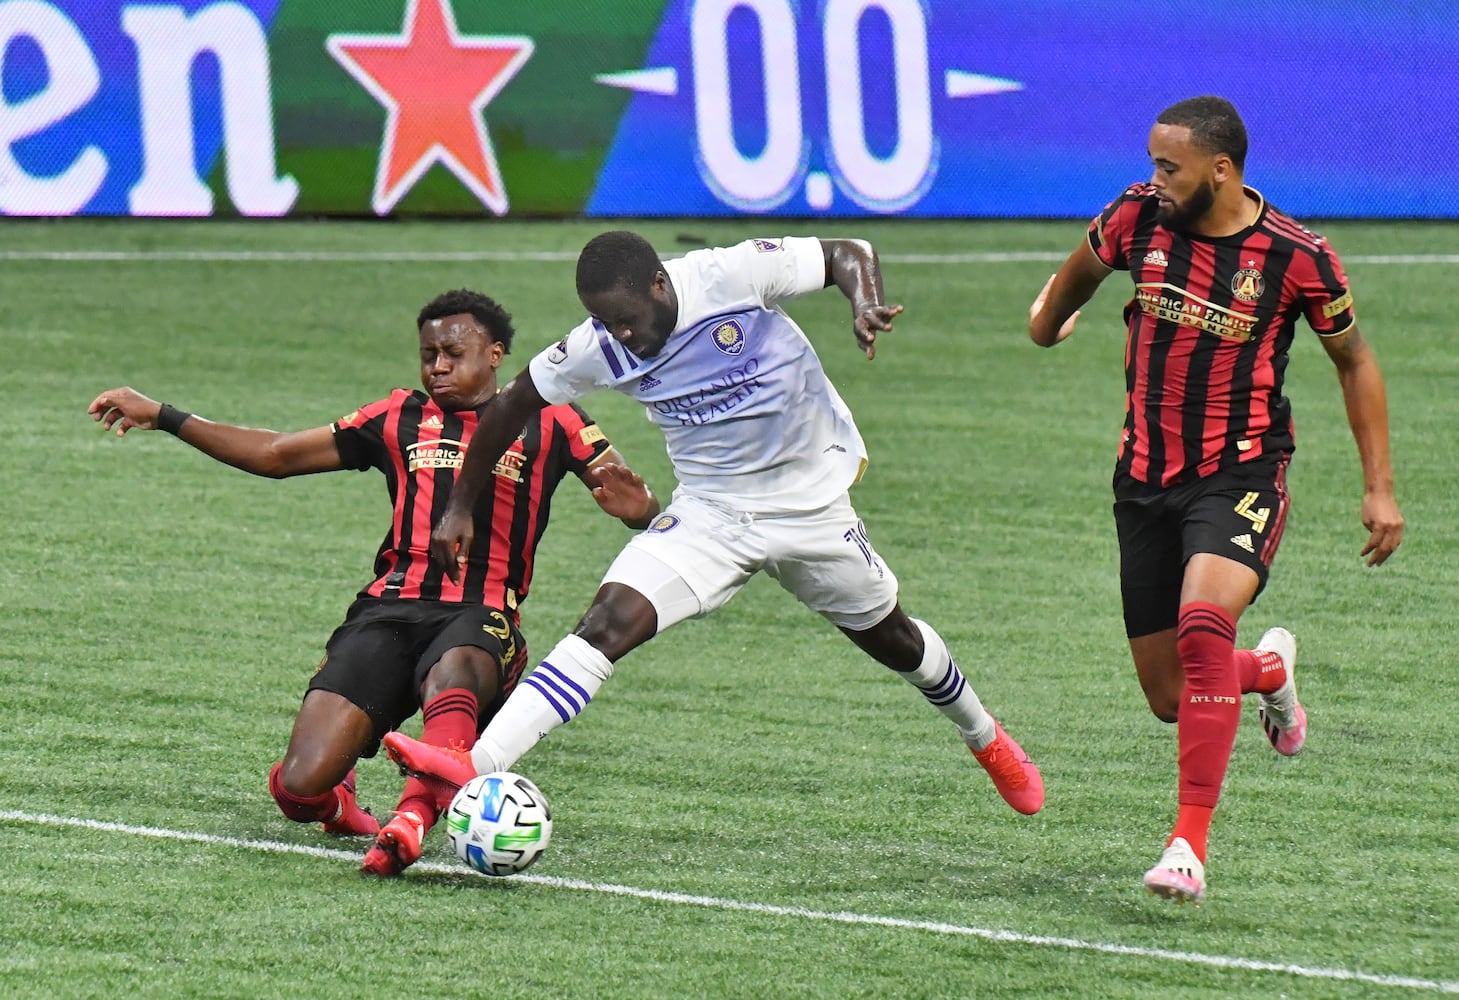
column 351, row 820
column 450, row 766
column 1015, row 776
column 397, row 848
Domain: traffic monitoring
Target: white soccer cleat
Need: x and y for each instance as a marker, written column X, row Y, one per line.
column 1283, row 718
column 1179, row 875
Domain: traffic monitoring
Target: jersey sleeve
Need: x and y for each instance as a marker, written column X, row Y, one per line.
column 570, row 368
column 782, row 269
column 360, row 437
column 1113, row 230
column 1324, row 292
column 586, row 442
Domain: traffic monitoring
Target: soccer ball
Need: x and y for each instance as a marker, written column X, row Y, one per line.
column 499, row 823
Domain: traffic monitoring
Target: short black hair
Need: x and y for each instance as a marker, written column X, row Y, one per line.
column 618, row 259
column 1215, row 126
column 482, row 308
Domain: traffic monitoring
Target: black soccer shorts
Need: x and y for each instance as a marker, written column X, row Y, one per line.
column 1238, row 513
column 379, row 656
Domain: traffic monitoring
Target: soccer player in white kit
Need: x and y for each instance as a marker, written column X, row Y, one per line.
column 765, row 452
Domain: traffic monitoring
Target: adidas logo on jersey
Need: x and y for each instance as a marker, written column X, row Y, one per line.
column 1157, row 258
column 648, row 382
column 1243, row 541
column 431, row 422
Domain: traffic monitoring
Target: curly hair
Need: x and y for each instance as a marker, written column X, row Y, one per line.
column 484, row 309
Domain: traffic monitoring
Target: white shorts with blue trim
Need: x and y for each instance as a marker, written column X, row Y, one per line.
column 823, row 557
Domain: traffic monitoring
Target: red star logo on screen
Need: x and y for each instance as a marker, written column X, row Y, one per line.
column 434, row 84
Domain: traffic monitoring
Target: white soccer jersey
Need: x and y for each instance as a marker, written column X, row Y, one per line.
column 746, row 409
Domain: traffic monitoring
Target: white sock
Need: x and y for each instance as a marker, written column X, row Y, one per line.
column 944, row 686
column 555, row 692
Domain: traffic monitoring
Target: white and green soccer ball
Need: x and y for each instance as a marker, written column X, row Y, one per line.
column 499, row 823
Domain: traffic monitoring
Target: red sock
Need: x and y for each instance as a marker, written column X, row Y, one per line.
column 301, row 808
column 450, row 717
column 1194, row 824
column 1210, row 709
column 1260, row 670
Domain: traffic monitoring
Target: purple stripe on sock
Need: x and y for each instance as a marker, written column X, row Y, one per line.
column 956, row 694
column 950, row 698
column 563, row 679
column 543, row 682
column 947, row 682
column 532, row 682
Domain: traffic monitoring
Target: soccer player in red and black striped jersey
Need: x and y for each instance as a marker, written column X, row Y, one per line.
column 1221, row 278
column 413, row 638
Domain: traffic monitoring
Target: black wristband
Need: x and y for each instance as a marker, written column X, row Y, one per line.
column 170, row 418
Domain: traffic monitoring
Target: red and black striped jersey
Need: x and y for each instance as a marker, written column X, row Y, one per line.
column 1209, row 330
column 420, row 448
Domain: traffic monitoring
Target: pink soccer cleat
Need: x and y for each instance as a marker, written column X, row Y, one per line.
column 1014, row 775
column 397, row 848
column 1179, row 875
column 450, row 766
column 1283, row 718
column 351, row 820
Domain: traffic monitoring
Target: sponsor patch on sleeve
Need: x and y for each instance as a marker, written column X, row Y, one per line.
column 1338, row 305
column 592, row 433
column 766, row 246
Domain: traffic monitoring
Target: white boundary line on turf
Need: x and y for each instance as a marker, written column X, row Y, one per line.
column 270, row 256
column 510, row 256
column 716, row 903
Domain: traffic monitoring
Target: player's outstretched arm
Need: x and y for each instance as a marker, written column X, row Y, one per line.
column 620, row 491
column 1052, row 316
column 853, row 267
column 500, row 423
column 275, row 454
column 1366, row 400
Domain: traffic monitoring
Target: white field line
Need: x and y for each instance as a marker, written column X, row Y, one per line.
column 288, row 256
column 517, row 256
column 796, row 912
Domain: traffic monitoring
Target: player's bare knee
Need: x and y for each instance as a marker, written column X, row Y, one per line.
column 894, row 642
column 465, row 667
column 1158, row 667
column 619, row 619
column 905, row 645
column 304, row 778
column 1162, row 697
column 1163, row 708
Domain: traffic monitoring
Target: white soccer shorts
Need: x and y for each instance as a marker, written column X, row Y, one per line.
column 823, row 557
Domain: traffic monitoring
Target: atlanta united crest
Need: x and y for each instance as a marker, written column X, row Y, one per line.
column 1248, row 284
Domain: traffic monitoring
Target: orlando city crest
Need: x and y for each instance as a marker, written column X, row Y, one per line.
column 729, row 337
